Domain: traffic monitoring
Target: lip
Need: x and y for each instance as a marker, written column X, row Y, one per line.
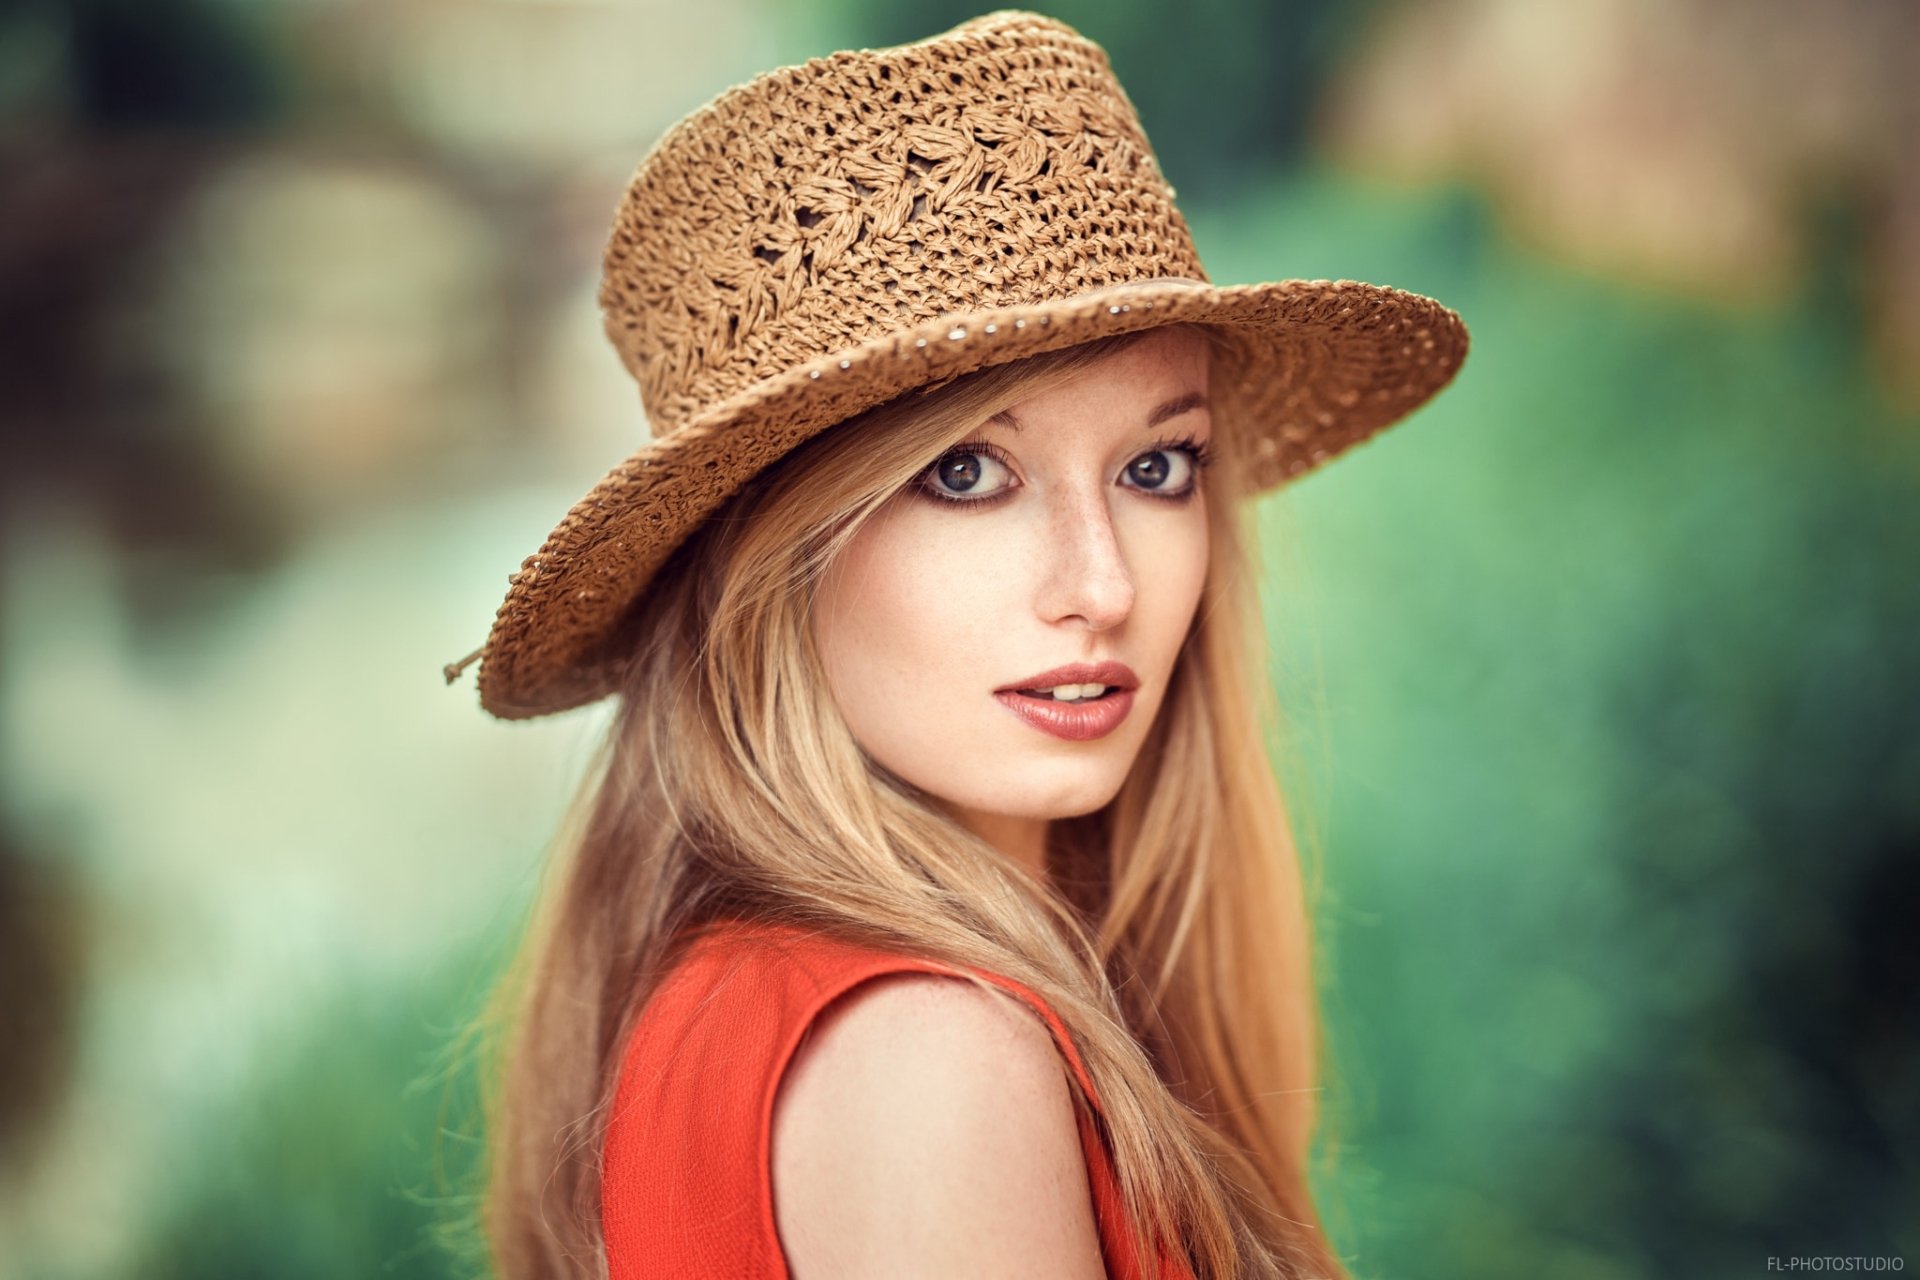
column 1074, row 721
column 1117, row 674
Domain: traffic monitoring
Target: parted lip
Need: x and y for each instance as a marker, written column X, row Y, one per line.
column 1117, row 674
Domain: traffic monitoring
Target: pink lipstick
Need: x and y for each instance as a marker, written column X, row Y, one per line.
column 1076, row 721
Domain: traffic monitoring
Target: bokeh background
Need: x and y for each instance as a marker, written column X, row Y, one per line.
column 1606, row 704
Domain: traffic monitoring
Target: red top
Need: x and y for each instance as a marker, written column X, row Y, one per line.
column 687, row 1187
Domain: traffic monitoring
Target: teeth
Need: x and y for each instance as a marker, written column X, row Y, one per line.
column 1075, row 692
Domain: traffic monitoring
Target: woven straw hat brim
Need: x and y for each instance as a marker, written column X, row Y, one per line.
column 1320, row 366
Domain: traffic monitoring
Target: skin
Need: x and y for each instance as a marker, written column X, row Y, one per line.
column 1077, row 557
column 922, row 1128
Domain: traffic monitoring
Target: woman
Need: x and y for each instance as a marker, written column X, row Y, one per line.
column 931, row 908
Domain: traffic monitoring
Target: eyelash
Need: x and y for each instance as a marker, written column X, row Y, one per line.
column 1201, row 455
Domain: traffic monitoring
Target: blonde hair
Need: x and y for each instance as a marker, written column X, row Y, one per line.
column 1172, row 936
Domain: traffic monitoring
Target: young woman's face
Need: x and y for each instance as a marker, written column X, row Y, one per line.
column 1071, row 530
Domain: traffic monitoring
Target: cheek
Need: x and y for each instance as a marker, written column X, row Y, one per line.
column 1170, row 570
column 902, row 615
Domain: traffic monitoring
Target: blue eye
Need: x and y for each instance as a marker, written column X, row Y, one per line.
column 1171, row 468
column 968, row 471
column 1151, row 470
column 965, row 475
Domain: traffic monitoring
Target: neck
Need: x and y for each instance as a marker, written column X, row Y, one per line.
column 1022, row 840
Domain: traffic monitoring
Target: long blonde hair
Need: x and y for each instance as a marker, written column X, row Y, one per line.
column 1172, row 933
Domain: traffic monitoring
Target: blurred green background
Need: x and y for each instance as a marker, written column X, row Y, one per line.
column 1602, row 672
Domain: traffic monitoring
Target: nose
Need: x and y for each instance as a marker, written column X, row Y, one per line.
column 1085, row 574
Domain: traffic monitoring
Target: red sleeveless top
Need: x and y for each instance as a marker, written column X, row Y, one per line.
column 687, row 1187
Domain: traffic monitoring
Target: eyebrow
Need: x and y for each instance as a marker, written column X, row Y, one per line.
column 1171, row 409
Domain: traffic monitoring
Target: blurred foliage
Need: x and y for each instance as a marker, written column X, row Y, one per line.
column 1601, row 668
column 1625, row 794
column 42, row 973
column 348, row 1153
column 117, row 64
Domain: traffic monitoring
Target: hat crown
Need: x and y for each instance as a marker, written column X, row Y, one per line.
column 823, row 205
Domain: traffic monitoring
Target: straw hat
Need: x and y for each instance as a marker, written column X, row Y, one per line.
column 831, row 235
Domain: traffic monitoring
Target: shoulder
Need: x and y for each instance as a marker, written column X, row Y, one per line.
column 927, row 1127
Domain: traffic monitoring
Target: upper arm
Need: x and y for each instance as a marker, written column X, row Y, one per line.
column 925, row 1129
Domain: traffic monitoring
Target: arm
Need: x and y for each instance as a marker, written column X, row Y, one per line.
column 923, row 1129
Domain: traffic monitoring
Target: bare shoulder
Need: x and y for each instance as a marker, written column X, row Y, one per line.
column 925, row 1128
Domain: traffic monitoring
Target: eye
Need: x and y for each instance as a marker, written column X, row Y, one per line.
column 966, row 475
column 1170, row 469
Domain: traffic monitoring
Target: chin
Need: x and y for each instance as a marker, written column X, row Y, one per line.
column 1071, row 801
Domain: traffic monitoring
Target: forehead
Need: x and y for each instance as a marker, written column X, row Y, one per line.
column 1160, row 375
column 1175, row 349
